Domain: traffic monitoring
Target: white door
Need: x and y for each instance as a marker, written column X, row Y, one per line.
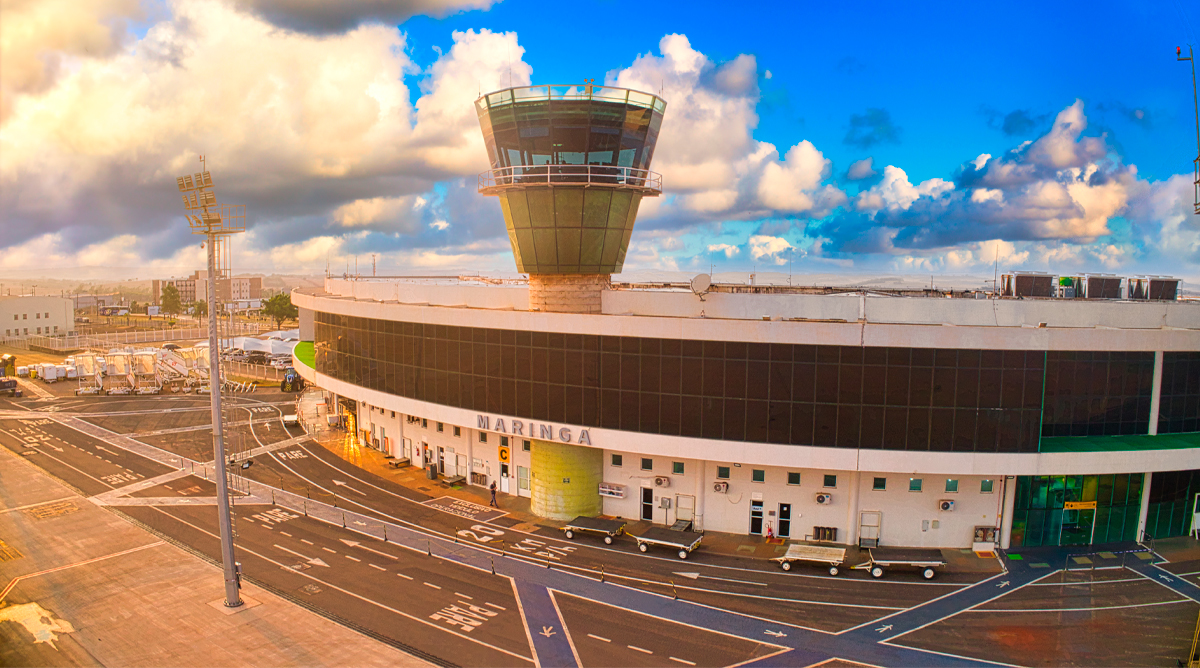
column 523, row 481
column 685, row 507
column 461, row 461
column 504, row 478
column 408, row 450
column 869, row 525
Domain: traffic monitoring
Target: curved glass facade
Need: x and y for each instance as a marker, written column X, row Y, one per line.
column 584, row 125
column 835, row 396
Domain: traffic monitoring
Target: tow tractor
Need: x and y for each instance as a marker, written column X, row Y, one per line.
column 292, row 381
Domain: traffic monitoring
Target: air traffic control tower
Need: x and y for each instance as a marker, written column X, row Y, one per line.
column 570, row 165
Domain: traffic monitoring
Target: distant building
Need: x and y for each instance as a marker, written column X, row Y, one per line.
column 95, row 301
column 240, row 288
column 22, row 317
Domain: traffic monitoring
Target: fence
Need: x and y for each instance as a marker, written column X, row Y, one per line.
column 252, row 371
column 106, row 341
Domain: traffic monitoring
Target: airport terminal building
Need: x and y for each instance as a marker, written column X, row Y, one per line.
column 904, row 417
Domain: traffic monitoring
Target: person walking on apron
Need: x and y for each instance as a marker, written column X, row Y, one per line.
column 493, row 502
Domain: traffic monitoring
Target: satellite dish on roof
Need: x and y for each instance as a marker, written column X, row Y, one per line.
column 701, row 284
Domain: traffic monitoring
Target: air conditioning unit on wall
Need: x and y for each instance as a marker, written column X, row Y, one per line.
column 946, row 505
column 721, row 487
column 825, row 499
column 662, row 481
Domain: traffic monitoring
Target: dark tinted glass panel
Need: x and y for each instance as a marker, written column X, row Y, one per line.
column 833, row 396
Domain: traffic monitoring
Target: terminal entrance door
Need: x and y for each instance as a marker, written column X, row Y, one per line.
column 756, row 518
column 1077, row 526
column 523, row 481
column 785, row 520
column 504, row 478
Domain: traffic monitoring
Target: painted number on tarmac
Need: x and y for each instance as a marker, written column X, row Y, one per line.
column 118, row 478
column 262, row 409
column 540, row 549
column 293, row 454
column 37, row 423
column 275, row 516
column 488, row 533
column 463, row 616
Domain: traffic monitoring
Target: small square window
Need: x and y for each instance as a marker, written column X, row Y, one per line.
column 880, row 485
column 722, row 473
column 914, row 484
column 458, row 431
column 793, row 477
column 37, row 316
column 758, row 475
column 617, row 460
column 525, row 445
column 483, row 437
column 504, row 441
column 830, row 480
column 677, row 468
column 951, row 485
column 985, row 486
column 441, row 427
column 424, row 423
column 647, row 464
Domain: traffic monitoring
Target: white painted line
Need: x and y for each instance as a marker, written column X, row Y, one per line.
column 376, row 567
column 284, row 533
column 464, row 596
column 352, row 558
column 329, row 550
column 306, row 541
column 403, row 576
column 498, row 607
column 1098, row 607
column 432, row 585
column 599, row 638
column 639, row 649
column 683, row 661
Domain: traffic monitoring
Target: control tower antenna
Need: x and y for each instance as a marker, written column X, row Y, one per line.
column 1196, row 109
column 217, row 222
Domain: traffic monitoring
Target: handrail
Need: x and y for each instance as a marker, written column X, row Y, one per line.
column 501, row 178
column 507, row 96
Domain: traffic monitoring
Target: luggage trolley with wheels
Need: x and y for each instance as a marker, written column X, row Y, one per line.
column 880, row 559
column 817, row 554
column 683, row 541
column 610, row 529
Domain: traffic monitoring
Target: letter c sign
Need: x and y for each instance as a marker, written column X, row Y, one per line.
column 504, row 457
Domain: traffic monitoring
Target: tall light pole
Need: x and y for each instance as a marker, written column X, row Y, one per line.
column 215, row 221
column 1196, row 109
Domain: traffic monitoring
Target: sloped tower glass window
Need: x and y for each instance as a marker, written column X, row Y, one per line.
column 570, row 165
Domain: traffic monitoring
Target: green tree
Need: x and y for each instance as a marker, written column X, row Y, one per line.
column 199, row 308
column 169, row 301
column 279, row 308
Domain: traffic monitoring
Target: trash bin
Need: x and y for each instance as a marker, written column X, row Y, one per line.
column 431, row 472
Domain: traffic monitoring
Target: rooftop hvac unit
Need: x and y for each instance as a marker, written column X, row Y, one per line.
column 1103, row 286
column 662, row 481
column 721, row 487
column 946, row 505
column 1027, row 284
column 824, row 499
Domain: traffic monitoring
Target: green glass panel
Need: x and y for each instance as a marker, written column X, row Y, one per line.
column 590, row 247
column 595, row 207
column 568, row 249
column 528, row 254
column 547, row 253
column 568, row 207
column 1089, row 490
column 541, row 207
column 508, row 221
column 618, row 212
column 612, row 247
column 518, row 207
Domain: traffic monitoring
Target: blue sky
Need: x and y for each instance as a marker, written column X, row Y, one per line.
column 1042, row 136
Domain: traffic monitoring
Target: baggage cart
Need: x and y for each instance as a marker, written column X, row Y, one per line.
column 609, row 529
column 880, row 559
column 817, row 554
column 682, row 541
